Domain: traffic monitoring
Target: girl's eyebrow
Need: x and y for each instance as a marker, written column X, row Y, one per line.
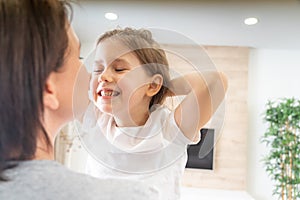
column 117, row 60
column 122, row 60
column 98, row 62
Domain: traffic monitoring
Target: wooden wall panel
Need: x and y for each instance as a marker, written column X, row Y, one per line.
column 230, row 150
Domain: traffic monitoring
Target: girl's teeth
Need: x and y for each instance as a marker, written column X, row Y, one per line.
column 108, row 93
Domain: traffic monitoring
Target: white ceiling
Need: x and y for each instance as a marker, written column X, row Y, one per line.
column 205, row 22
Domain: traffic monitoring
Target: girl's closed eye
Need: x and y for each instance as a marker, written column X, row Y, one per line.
column 120, row 69
column 98, row 69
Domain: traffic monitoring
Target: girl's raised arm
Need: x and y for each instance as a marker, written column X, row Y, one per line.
column 204, row 93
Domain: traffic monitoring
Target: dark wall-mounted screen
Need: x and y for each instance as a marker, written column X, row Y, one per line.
column 200, row 156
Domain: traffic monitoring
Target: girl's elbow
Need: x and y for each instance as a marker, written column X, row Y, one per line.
column 196, row 138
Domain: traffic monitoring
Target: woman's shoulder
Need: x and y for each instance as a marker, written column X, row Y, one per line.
column 54, row 181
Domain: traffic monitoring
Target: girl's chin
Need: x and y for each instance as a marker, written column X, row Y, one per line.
column 104, row 108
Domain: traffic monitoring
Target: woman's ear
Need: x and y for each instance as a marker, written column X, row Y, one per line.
column 50, row 99
column 155, row 85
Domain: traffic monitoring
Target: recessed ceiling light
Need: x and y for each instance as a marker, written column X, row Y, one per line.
column 251, row 21
column 111, row 16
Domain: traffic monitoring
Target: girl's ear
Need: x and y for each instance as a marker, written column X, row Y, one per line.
column 155, row 85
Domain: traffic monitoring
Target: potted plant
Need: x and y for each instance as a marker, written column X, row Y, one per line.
column 283, row 139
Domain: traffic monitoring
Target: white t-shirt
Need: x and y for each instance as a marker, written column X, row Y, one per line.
column 154, row 153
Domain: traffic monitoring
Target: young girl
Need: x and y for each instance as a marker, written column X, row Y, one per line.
column 144, row 140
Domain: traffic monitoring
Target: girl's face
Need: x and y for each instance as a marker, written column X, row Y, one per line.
column 120, row 84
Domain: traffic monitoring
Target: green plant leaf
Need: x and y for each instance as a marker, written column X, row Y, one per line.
column 282, row 136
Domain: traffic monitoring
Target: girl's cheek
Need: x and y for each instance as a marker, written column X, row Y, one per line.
column 93, row 83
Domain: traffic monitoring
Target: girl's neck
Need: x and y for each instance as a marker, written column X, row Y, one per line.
column 133, row 120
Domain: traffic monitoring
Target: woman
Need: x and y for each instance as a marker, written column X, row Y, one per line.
column 39, row 60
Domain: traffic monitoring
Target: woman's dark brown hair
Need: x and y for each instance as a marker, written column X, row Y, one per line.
column 33, row 42
column 149, row 53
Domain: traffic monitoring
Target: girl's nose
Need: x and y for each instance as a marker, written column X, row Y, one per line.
column 105, row 76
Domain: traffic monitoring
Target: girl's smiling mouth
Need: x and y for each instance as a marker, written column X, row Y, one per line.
column 107, row 93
